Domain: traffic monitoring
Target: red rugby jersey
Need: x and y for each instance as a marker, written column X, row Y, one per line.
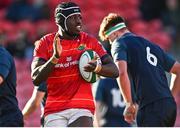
column 66, row 88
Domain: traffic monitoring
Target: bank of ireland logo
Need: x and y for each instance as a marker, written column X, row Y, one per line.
column 82, row 47
column 68, row 59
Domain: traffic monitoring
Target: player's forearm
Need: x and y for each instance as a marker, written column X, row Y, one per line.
column 125, row 87
column 42, row 72
column 109, row 70
column 96, row 121
column 29, row 108
column 97, row 116
column 176, row 85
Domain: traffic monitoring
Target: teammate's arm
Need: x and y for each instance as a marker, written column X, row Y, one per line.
column 123, row 81
column 33, row 103
column 176, row 83
column 41, row 68
column 1, row 80
column 97, row 114
column 5, row 66
column 109, row 68
column 125, row 88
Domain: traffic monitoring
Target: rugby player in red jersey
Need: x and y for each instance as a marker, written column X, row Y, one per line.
column 69, row 101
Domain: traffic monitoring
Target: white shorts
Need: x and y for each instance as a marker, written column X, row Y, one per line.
column 66, row 117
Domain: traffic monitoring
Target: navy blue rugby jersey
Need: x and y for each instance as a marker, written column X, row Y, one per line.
column 113, row 105
column 147, row 64
column 8, row 102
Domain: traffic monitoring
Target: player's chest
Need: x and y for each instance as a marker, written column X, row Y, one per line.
column 71, row 52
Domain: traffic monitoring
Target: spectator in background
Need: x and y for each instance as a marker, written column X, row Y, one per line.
column 4, row 4
column 23, row 10
column 42, row 10
column 21, row 47
column 38, row 98
column 171, row 20
column 10, row 114
column 145, row 64
column 109, row 104
column 152, row 9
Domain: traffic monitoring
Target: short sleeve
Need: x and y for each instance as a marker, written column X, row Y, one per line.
column 168, row 62
column 41, row 49
column 119, row 51
column 5, row 65
column 42, row 87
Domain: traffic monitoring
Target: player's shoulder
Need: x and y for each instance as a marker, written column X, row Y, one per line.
column 48, row 36
column 4, row 52
column 45, row 39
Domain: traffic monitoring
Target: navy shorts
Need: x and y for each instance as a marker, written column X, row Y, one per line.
column 161, row 113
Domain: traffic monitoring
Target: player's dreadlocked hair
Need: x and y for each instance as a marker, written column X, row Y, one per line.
column 108, row 22
column 63, row 11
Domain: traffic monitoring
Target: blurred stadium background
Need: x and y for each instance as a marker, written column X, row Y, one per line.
column 24, row 21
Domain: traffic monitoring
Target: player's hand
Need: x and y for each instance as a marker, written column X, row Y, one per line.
column 57, row 47
column 130, row 113
column 91, row 66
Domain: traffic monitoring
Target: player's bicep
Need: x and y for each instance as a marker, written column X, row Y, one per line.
column 106, row 59
column 175, row 68
column 36, row 64
column 122, row 66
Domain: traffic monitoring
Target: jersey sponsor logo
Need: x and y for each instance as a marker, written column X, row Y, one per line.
column 69, row 58
column 82, row 47
column 151, row 58
column 67, row 64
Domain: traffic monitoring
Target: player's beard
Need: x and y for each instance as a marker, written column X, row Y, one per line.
column 78, row 29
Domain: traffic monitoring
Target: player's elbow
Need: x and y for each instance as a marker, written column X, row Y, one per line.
column 116, row 74
column 123, row 73
column 36, row 104
column 176, row 69
column 35, row 81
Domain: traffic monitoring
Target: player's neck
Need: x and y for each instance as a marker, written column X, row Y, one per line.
column 119, row 34
column 66, row 36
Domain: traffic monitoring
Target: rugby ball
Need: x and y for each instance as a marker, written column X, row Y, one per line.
column 87, row 56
